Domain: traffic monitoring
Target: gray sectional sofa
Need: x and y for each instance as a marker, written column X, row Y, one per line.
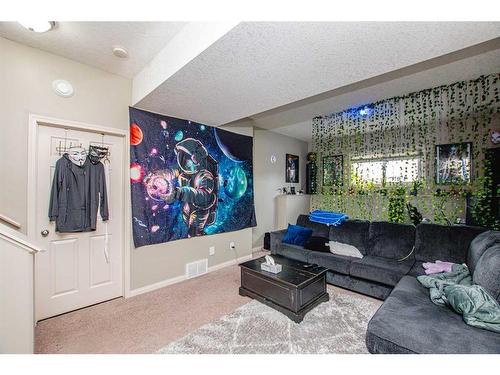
column 407, row 322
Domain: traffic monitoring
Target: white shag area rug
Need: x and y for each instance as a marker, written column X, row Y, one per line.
column 336, row 326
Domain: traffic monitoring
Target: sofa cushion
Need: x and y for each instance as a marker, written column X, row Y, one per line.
column 352, row 232
column 391, row 240
column 293, row 252
column 297, row 235
column 417, row 269
column 317, row 244
column 479, row 245
column 340, row 248
column 441, row 242
column 382, row 270
column 369, row 288
column 320, row 230
column 277, row 240
column 487, row 272
column 409, row 322
column 336, row 263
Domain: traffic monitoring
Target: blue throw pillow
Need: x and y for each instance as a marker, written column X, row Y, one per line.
column 297, row 235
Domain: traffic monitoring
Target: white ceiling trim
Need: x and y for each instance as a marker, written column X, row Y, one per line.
column 193, row 39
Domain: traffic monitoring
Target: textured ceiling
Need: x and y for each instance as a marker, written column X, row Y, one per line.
column 279, row 74
column 295, row 120
column 91, row 42
column 260, row 66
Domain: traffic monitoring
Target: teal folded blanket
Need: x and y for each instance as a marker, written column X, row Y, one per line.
column 437, row 282
column 455, row 289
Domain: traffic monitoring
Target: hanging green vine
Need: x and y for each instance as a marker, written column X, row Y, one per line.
column 482, row 207
column 397, row 205
column 411, row 126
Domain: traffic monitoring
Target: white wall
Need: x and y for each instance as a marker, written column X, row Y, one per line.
column 100, row 98
column 16, row 298
column 268, row 177
column 26, row 75
column 164, row 262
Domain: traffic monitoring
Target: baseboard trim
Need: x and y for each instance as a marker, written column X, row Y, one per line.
column 158, row 285
column 229, row 263
column 178, row 279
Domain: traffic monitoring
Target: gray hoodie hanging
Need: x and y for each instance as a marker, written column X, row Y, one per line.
column 77, row 193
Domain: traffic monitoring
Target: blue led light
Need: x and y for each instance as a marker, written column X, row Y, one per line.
column 364, row 111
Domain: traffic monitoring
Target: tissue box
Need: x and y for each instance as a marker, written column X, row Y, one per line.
column 273, row 268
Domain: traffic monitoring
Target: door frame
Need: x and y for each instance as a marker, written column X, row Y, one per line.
column 37, row 120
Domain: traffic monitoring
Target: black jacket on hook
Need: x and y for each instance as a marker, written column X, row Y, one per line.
column 77, row 193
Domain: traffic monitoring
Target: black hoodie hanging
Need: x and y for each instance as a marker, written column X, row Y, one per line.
column 97, row 153
column 77, row 193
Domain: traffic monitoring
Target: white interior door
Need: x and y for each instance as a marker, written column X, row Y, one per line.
column 75, row 272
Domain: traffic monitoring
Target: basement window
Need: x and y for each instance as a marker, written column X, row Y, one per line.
column 386, row 171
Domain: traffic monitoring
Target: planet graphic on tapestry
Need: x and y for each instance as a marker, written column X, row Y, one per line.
column 160, row 185
column 136, row 172
column 228, row 143
column 179, row 135
column 136, row 135
column 235, row 184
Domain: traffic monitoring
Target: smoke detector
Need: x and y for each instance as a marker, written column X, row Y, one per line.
column 63, row 88
column 120, row 52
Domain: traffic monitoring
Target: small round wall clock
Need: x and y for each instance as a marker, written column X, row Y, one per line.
column 495, row 137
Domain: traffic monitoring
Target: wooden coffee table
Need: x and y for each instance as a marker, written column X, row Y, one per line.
column 296, row 290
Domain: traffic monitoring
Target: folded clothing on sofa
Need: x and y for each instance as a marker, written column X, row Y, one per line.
column 456, row 290
column 327, row 217
column 437, row 267
column 436, row 283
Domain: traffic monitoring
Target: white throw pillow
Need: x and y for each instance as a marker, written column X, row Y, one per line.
column 340, row 248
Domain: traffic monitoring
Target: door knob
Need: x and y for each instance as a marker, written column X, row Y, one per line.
column 44, row 233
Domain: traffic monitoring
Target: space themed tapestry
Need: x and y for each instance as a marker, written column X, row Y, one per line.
column 187, row 179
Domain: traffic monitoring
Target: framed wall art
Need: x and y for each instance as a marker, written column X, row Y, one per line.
column 453, row 163
column 333, row 174
column 292, row 169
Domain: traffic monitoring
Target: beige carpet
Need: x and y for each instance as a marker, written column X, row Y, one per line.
column 145, row 323
column 336, row 326
column 148, row 322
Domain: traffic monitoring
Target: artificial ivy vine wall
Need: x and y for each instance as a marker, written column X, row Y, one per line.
column 410, row 127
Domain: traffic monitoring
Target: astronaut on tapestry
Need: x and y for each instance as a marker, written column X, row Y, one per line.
column 195, row 184
column 187, row 179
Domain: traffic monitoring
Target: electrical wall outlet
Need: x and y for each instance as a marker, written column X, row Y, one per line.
column 232, row 246
column 211, row 250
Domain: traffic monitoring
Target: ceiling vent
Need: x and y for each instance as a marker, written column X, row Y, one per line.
column 197, row 268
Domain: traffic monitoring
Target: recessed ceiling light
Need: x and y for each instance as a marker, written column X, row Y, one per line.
column 38, row 26
column 63, row 88
column 120, row 52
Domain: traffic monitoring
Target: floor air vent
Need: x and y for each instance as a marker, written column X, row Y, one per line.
column 196, row 268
